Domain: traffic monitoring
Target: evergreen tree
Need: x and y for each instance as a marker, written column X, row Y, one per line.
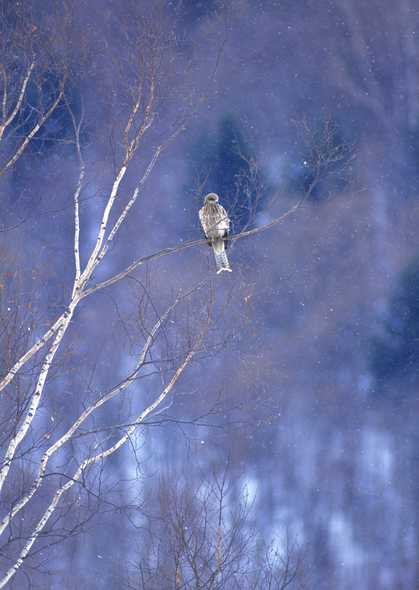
column 396, row 352
column 193, row 11
column 225, row 164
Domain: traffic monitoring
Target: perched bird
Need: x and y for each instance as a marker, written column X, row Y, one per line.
column 216, row 225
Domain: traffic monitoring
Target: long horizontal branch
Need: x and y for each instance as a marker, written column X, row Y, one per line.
column 186, row 245
column 126, row 272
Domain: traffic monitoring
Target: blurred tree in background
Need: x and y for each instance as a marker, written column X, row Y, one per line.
column 225, row 163
column 321, row 167
column 395, row 352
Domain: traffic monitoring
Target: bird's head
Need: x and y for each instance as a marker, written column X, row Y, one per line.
column 211, row 198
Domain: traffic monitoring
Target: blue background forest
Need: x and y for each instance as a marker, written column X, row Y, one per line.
column 308, row 394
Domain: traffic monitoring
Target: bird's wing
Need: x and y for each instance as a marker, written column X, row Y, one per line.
column 203, row 220
column 224, row 223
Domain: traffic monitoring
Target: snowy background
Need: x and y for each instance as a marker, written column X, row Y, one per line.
column 309, row 390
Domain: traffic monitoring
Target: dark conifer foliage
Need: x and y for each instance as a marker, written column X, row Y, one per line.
column 395, row 353
column 224, row 162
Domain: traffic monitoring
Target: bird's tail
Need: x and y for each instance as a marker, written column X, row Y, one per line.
column 221, row 260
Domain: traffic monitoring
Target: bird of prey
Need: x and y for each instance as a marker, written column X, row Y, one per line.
column 216, row 225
